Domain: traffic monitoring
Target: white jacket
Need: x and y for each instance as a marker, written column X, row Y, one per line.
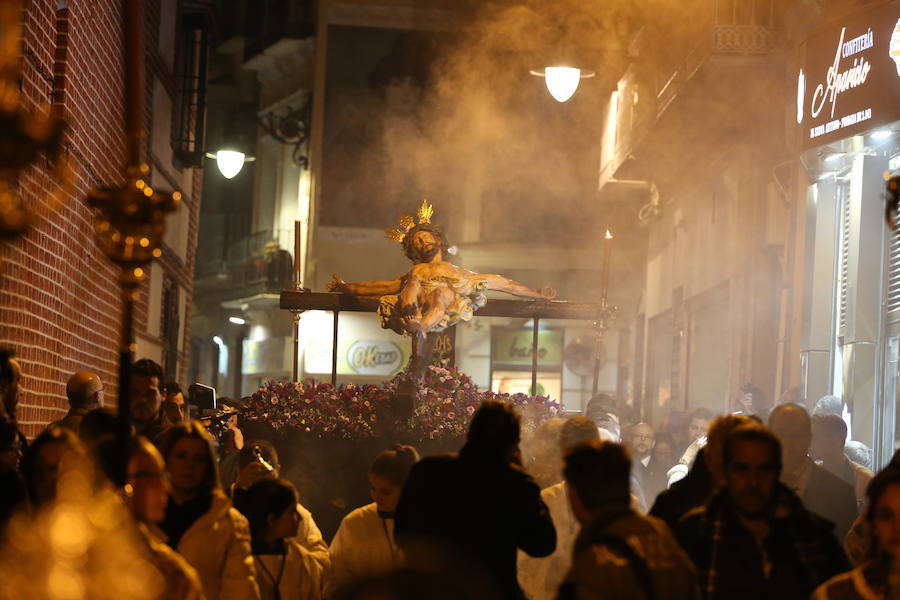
column 297, row 573
column 363, row 545
column 217, row 545
column 310, row 537
column 541, row 577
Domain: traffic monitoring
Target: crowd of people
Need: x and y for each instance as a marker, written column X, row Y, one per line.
column 754, row 504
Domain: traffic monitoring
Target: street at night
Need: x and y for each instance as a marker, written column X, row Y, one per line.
column 449, row 299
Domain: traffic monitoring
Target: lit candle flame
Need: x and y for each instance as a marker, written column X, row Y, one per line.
column 608, row 235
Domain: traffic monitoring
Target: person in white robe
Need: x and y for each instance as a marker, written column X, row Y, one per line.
column 364, row 544
column 285, row 569
column 540, row 578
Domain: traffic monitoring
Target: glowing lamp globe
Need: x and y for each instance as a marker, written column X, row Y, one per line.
column 230, row 162
column 562, row 81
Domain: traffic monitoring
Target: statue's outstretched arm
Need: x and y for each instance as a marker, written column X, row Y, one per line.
column 503, row 284
column 365, row 288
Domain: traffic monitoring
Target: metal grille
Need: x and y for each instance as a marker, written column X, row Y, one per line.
column 749, row 39
column 845, row 254
column 743, row 27
column 190, row 94
column 893, row 286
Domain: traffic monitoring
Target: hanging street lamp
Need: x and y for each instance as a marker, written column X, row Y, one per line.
column 562, row 81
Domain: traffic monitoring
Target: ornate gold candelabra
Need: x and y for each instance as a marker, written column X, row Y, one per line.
column 131, row 217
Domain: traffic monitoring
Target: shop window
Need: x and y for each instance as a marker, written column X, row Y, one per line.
column 511, row 361
column 188, row 118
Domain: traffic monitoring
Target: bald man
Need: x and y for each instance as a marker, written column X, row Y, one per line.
column 85, row 393
column 822, row 492
column 640, row 440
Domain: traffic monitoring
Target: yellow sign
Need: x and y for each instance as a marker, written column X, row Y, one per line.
column 514, row 346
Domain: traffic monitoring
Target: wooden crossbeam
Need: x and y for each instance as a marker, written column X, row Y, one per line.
column 540, row 309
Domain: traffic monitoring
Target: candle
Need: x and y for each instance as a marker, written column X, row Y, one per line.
column 607, row 254
column 298, row 244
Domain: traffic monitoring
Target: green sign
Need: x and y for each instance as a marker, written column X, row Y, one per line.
column 514, row 346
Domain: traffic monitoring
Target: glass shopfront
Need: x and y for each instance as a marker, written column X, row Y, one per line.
column 848, row 128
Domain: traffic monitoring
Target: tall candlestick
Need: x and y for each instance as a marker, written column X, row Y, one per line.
column 607, row 254
column 298, row 245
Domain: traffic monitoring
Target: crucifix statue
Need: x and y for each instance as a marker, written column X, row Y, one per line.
column 435, row 294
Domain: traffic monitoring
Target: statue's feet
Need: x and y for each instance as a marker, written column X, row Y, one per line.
column 415, row 327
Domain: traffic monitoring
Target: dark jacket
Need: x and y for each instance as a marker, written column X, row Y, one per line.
column 800, row 547
column 832, row 498
column 684, row 495
column 72, row 420
column 478, row 509
column 623, row 555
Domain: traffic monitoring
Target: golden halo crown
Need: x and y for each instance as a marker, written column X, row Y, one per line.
column 407, row 222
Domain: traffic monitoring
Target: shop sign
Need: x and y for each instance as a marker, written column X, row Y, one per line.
column 374, row 357
column 356, row 357
column 514, row 346
column 849, row 79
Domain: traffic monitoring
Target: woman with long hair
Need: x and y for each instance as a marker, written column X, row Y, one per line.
column 200, row 522
column 285, row 569
column 876, row 577
column 364, row 543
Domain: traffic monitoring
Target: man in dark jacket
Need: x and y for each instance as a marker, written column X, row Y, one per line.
column 479, row 506
column 85, row 393
column 619, row 554
column 705, row 475
column 825, row 494
column 146, row 398
column 754, row 539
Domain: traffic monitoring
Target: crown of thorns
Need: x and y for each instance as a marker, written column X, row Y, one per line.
column 407, row 222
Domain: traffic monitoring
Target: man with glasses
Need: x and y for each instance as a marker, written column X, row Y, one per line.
column 641, row 441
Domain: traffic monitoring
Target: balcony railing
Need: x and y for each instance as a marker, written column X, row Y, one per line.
column 722, row 28
column 257, row 264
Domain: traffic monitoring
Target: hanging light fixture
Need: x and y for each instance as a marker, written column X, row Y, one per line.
column 562, row 81
column 230, row 162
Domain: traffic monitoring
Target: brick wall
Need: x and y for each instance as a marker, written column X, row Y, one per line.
column 59, row 300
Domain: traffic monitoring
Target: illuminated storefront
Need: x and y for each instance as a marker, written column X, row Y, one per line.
column 495, row 351
column 847, row 126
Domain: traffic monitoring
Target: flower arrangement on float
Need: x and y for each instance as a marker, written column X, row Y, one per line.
column 445, row 401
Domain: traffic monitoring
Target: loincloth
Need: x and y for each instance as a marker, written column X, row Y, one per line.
column 469, row 298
